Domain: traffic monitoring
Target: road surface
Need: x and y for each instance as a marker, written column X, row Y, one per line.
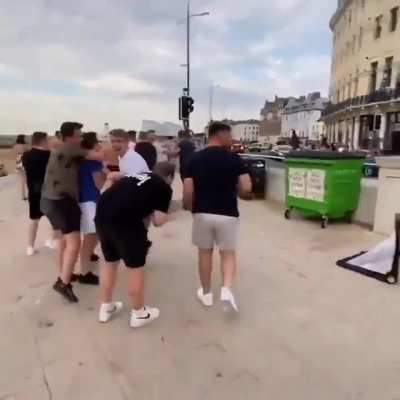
column 306, row 329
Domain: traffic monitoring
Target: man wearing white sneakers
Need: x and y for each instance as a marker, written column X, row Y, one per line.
column 213, row 176
column 120, row 222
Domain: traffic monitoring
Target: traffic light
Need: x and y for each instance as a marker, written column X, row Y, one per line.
column 185, row 107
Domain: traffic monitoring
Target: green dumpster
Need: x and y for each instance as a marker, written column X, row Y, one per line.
column 323, row 184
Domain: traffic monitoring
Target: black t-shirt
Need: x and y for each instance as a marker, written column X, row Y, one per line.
column 187, row 148
column 149, row 152
column 128, row 202
column 35, row 163
column 215, row 172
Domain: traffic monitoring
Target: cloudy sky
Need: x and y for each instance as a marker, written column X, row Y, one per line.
column 119, row 60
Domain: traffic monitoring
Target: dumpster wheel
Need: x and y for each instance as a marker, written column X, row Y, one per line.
column 391, row 279
column 288, row 214
column 324, row 222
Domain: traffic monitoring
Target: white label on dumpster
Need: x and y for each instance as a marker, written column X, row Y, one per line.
column 297, row 182
column 315, row 185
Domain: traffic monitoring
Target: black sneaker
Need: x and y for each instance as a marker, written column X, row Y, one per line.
column 94, row 258
column 75, row 277
column 65, row 291
column 88, row 279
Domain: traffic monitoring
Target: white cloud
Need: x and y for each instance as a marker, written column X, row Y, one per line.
column 120, row 83
column 124, row 57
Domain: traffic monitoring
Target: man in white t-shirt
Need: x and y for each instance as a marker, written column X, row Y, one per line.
column 130, row 162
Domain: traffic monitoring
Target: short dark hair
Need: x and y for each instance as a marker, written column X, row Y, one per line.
column 119, row 133
column 132, row 135
column 38, row 138
column 165, row 169
column 89, row 140
column 20, row 139
column 148, row 152
column 217, row 127
column 68, row 128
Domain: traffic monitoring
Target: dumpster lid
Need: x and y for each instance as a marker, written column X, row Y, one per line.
column 326, row 155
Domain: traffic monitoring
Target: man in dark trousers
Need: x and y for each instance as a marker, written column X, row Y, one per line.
column 186, row 148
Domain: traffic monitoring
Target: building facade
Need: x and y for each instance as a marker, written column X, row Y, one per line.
column 364, row 109
column 271, row 119
column 245, row 131
column 301, row 114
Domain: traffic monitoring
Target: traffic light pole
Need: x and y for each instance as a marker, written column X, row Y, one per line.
column 187, row 122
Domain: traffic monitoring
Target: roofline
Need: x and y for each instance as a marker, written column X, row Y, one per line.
column 338, row 13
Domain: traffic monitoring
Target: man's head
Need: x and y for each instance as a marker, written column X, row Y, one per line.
column 71, row 133
column 184, row 134
column 220, row 134
column 165, row 170
column 132, row 136
column 119, row 141
column 40, row 139
column 89, row 141
column 149, row 136
column 148, row 153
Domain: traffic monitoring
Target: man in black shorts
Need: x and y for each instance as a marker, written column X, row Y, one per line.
column 120, row 225
column 35, row 163
column 60, row 197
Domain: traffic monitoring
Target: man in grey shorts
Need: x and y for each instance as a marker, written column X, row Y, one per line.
column 211, row 185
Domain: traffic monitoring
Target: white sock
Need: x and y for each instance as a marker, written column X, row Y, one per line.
column 108, row 306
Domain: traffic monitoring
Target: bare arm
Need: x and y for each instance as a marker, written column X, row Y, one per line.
column 188, row 193
column 245, row 187
column 159, row 218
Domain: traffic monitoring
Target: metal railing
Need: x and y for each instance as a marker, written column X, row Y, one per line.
column 378, row 96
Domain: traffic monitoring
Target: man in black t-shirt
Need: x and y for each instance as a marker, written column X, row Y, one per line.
column 35, row 163
column 210, row 191
column 186, row 150
column 120, row 222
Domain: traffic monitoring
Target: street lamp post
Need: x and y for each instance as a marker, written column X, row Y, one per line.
column 188, row 17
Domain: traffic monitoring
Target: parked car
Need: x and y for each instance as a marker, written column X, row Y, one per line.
column 283, row 149
column 237, row 148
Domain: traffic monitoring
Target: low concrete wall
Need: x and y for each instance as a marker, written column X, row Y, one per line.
column 366, row 208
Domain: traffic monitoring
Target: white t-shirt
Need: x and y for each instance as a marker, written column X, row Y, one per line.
column 132, row 163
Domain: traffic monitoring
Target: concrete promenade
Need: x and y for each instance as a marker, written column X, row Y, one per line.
column 307, row 330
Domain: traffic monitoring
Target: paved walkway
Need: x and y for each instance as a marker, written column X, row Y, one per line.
column 307, row 330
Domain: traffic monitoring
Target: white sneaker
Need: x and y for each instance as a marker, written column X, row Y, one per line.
column 206, row 299
column 228, row 300
column 51, row 244
column 144, row 316
column 107, row 311
column 30, row 251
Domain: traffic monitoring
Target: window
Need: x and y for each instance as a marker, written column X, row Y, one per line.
column 387, row 73
column 363, row 4
column 394, row 15
column 360, row 38
column 350, row 15
column 378, row 27
column 353, row 50
column 373, row 76
column 356, row 83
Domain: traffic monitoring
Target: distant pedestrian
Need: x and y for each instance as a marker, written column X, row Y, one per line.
column 120, row 217
column 60, row 198
column 19, row 148
column 212, row 177
column 132, row 139
column 35, row 162
column 186, row 149
column 149, row 152
column 294, row 140
column 91, row 180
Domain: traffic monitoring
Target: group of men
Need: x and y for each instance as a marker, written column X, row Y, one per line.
column 113, row 193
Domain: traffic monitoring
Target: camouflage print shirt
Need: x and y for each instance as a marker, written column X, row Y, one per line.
column 61, row 179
